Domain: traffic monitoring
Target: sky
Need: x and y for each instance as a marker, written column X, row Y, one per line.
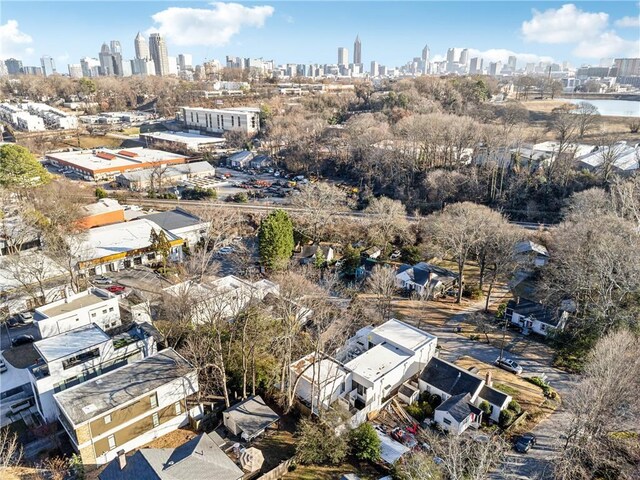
column 305, row 31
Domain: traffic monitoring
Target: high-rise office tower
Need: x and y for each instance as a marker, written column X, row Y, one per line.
column 451, row 55
column 116, row 54
column 48, row 65
column 476, row 65
column 511, row 62
column 357, row 51
column 343, row 56
column 106, row 60
column 185, row 62
column 374, row 69
column 75, row 70
column 426, row 53
column 464, row 56
column 115, row 46
column 159, row 54
column 141, row 46
column 90, row 67
column 14, row 66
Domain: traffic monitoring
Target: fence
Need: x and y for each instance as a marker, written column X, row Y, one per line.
column 277, row 472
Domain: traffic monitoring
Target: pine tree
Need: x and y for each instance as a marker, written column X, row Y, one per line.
column 19, row 168
column 276, row 240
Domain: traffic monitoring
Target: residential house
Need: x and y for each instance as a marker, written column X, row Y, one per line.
column 533, row 253
column 624, row 159
column 371, row 252
column 448, row 381
column 92, row 306
column 307, row 253
column 181, row 223
column 457, row 413
column 81, row 354
column 249, row 418
column 364, row 373
column 128, row 407
column 427, row 280
column 535, row 317
column 198, row 459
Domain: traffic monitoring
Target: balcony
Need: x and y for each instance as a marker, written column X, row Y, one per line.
column 39, row 371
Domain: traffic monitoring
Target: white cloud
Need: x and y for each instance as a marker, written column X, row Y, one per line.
column 607, row 44
column 13, row 42
column 208, row 26
column 289, row 19
column 628, row 22
column 502, row 55
column 567, row 24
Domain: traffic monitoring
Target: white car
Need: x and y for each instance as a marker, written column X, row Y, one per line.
column 508, row 365
column 225, row 250
column 102, row 280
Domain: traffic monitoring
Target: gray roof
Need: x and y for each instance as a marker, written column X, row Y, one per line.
column 459, row 407
column 449, row 378
column 527, row 246
column 198, row 459
column 534, row 310
column 106, row 392
column 419, row 273
column 493, row 396
column 252, row 415
column 70, row 342
column 171, row 171
column 174, row 219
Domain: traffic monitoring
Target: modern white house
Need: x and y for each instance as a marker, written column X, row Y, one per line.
column 461, row 392
column 181, row 223
column 128, row 407
column 425, row 279
column 535, row 317
column 366, row 371
column 81, row 354
column 84, row 308
column 243, row 119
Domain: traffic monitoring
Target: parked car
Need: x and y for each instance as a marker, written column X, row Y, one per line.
column 26, row 318
column 22, row 340
column 225, row 250
column 13, row 322
column 525, row 442
column 102, row 280
column 3, row 366
column 394, row 255
column 508, row 365
column 115, row 288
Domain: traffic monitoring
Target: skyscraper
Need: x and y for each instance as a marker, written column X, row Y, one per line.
column 159, row 54
column 464, row 56
column 357, row 51
column 512, row 63
column 142, row 47
column 106, row 60
column 116, row 54
column 48, row 65
column 476, row 66
column 343, row 56
column 426, row 53
column 75, row 70
column 451, row 55
column 14, row 66
column 374, row 68
column 185, row 62
column 115, row 46
column 90, row 67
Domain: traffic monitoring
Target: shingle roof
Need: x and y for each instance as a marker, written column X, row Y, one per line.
column 493, row 396
column 198, row 459
column 252, row 415
column 529, row 246
column 173, row 219
column 449, row 378
column 458, row 407
column 530, row 309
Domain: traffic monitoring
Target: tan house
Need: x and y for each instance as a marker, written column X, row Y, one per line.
column 129, row 407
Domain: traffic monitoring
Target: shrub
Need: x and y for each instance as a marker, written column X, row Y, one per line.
column 435, row 400
column 365, row 443
column 317, row 443
column 474, row 292
column 515, row 407
column 485, row 407
column 506, row 418
column 420, row 410
column 100, row 193
column 502, row 308
column 239, row 197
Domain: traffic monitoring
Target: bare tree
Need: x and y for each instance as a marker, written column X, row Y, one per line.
column 419, row 465
column 587, row 117
column 320, row 202
column 382, row 283
column 388, row 219
column 10, row 449
column 609, row 152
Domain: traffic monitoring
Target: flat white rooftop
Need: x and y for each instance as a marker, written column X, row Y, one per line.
column 403, row 334
column 118, row 238
column 68, row 343
column 378, row 361
column 190, row 139
column 114, row 159
column 104, row 205
column 327, row 370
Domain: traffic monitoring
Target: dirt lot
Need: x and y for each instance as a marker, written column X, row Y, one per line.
column 171, row 440
column 333, row 472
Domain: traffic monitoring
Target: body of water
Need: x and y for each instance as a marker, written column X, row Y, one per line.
column 612, row 108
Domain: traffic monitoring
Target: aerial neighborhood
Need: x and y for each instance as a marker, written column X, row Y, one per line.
column 247, row 270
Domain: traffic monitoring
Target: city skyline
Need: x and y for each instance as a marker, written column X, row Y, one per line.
column 581, row 33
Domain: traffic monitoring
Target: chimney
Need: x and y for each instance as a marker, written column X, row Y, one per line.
column 488, row 379
column 122, row 459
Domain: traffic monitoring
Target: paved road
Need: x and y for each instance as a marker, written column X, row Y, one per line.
column 5, row 338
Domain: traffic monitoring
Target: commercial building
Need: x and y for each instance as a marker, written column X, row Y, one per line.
column 93, row 306
column 181, row 223
column 114, row 247
column 14, row 66
column 182, row 141
column 78, row 355
column 75, row 70
column 48, row 65
column 128, row 407
column 357, row 51
column 165, row 176
column 105, row 211
column 245, row 119
column 105, row 164
column 343, row 56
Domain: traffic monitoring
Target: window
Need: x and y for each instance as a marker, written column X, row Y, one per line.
column 107, row 419
column 178, row 408
column 104, row 311
column 93, row 314
column 156, row 420
column 111, row 309
column 80, row 358
column 361, row 389
column 232, row 120
column 112, row 441
column 153, row 399
column 447, row 421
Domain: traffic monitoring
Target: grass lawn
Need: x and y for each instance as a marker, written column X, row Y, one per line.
column 87, row 141
column 276, row 446
column 131, row 131
column 365, row 471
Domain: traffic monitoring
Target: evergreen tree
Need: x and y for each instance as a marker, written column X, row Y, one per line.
column 19, row 168
column 276, row 240
column 365, row 442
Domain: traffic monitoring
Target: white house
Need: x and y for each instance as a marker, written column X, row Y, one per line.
column 535, row 317
column 84, row 308
column 448, row 381
column 457, row 413
column 366, row 371
column 425, row 279
column 531, row 252
column 81, row 354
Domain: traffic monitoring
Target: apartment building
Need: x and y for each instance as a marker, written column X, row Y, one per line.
column 81, row 354
column 53, row 117
column 127, row 407
column 245, row 120
column 84, row 308
column 20, row 119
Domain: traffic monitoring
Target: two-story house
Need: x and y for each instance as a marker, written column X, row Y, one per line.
column 128, row 407
column 367, row 371
column 81, row 354
column 84, row 308
column 535, row 317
